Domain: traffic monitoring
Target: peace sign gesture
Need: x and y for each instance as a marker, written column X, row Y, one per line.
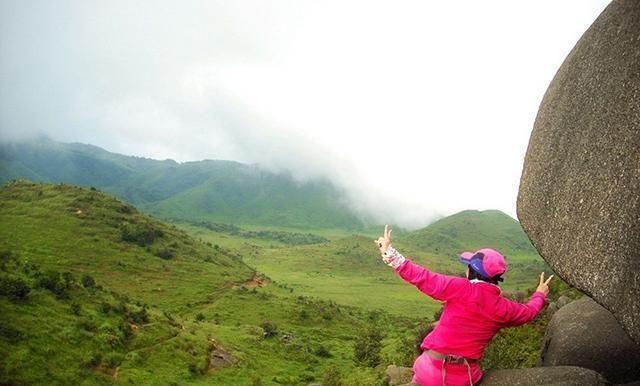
column 383, row 242
column 544, row 285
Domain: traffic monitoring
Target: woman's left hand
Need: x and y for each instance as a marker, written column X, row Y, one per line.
column 543, row 286
column 385, row 241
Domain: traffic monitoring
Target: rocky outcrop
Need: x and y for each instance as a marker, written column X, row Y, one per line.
column 579, row 198
column 553, row 307
column 585, row 334
column 396, row 375
column 218, row 356
column 555, row 376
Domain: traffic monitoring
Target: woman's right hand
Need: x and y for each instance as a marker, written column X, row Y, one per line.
column 544, row 285
column 385, row 241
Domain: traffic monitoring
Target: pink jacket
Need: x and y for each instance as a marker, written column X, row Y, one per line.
column 473, row 311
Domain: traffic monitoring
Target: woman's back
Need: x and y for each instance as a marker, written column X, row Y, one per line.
column 474, row 311
column 473, row 316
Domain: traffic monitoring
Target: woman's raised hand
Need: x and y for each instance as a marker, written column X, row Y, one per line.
column 383, row 242
column 544, row 285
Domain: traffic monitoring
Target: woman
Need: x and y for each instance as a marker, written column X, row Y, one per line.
column 473, row 313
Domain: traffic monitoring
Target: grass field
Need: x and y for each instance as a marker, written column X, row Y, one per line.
column 93, row 292
column 162, row 307
column 348, row 269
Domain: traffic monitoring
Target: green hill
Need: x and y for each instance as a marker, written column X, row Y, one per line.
column 94, row 292
column 349, row 270
column 471, row 230
column 210, row 190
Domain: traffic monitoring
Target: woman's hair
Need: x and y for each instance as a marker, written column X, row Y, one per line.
column 475, row 275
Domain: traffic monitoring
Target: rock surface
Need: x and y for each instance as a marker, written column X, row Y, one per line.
column 585, row 334
column 398, row 375
column 579, row 198
column 555, row 376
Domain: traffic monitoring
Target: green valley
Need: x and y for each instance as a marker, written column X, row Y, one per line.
column 92, row 291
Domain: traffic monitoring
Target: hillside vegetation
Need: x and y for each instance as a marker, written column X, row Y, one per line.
column 348, row 269
column 94, row 292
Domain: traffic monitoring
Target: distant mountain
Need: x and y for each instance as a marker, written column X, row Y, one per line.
column 212, row 190
column 471, row 230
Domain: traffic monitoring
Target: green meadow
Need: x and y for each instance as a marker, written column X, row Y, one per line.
column 94, row 292
column 115, row 296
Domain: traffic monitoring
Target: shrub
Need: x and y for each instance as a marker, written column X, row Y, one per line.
column 113, row 359
column 419, row 334
column 68, row 279
column 367, row 347
column 53, row 282
column 9, row 333
column 75, row 308
column 270, row 329
column 13, row 287
column 139, row 317
column 88, row 325
column 110, row 335
column 105, row 307
column 143, row 234
column 88, row 281
column 256, row 382
column 322, row 352
column 6, row 257
column 94, row 360
column 332, row 377
column 437, row 314
column 165, row 253
column 121, row 308
column 168, row 316
column 125, row 330
column 126, row 209
column 517, row 347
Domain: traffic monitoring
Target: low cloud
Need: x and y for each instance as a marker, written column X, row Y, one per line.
column 415, row 109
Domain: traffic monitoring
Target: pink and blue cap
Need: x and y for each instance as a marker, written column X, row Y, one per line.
column 487, row 262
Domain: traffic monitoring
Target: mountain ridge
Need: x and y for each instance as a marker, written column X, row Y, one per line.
column 207, row 190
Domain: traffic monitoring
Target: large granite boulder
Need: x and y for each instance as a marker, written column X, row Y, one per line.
column 585, row 334
column 555, row 376
column 579, row 198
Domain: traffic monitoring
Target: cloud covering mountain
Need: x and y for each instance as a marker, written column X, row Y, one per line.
column 416, row 109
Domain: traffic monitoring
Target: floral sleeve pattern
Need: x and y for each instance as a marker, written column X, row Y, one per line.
column 392, row 258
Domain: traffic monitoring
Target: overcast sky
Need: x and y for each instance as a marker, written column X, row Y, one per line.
column 416, row 108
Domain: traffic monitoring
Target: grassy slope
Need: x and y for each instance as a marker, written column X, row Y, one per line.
column 348, row 269
column 471, row 230
column 48, row 339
